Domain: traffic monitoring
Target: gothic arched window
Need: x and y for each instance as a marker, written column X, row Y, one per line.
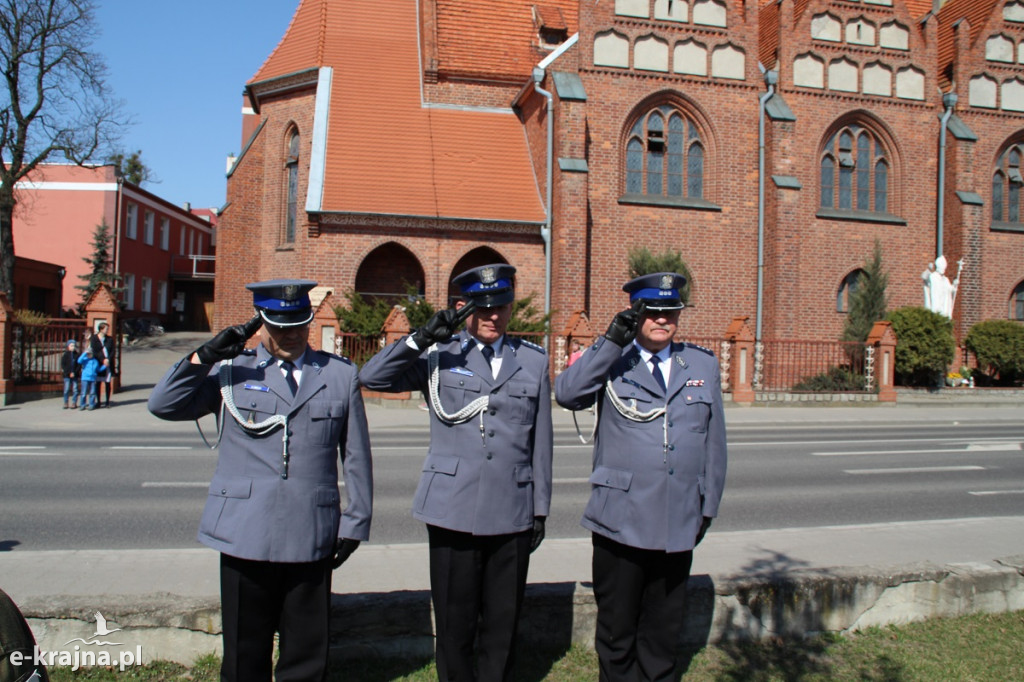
column 854, row 171
column 291, row 166
column 1006, row 189
column 665, row 156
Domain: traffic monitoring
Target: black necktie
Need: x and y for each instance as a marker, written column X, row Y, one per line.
column 488, row 354
column 289, row 376
column 656, row 371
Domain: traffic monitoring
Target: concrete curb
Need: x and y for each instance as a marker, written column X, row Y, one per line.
column 721, row 609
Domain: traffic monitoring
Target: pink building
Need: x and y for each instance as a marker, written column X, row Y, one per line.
column 164, row 253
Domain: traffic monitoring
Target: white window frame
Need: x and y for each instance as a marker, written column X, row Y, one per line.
column 149, row 228
column 129, row 291
column 165, row 233
column 131, row 222
column 147, row 295
column 161, row 297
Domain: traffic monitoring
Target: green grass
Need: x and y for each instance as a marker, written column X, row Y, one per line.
column 979, row 648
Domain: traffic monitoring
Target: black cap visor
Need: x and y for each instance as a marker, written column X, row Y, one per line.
column 493, row 299
column 290, row 318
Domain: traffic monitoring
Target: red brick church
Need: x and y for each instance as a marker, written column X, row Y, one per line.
column 395, row 144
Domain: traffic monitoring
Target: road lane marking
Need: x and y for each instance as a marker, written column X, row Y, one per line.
column 914, row 470
column 150, row 447
column 995, row 492
column 175, row 484
column 970, row 447
column 12, row 453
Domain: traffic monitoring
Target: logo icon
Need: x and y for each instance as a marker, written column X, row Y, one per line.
column 101, row 631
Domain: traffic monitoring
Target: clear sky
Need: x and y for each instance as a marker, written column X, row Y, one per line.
column 180, row 69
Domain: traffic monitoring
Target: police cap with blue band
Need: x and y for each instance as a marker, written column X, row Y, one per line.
column 489, row 286
column 658, row 291
column 283, row 302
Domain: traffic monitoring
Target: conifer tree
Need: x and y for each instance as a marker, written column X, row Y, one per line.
column 100, row 263
column 643, row 262
column 868, row 300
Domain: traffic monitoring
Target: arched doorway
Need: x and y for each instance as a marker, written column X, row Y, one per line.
column 391, row 272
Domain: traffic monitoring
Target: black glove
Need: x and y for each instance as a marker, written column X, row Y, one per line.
column 623, row 328
column 538, row 533
column 229, row 342
column 343, row 548
column 441, row 326
column 704, row 525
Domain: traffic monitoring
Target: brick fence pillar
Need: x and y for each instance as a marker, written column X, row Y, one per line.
column 395, row 327
column 741, row 366
column 325, row 328
column 883, row 339
column 103, row 307
column 6, row 351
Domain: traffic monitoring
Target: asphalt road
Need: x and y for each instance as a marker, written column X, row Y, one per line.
column 145, row 489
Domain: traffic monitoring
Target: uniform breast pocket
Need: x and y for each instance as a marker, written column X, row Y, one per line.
column 458, row 390
column 326, row 420
column 255, row 406
column 698, row 410
column 524, row 396
column 637, row 399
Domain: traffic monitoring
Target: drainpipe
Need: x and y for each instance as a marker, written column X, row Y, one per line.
column 770, row 79
column 545, row 232
column 948, row 101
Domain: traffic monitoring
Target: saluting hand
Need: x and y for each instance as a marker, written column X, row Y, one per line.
column 229, row 342
column 624, row 325
column 441, row 325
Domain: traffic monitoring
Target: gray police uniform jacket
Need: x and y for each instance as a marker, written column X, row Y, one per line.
column 485, row 482
column 643, row 494
column 259, row 507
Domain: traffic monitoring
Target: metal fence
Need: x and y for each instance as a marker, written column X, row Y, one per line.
column 38, row 349
column 357, row 348
column 807, row 366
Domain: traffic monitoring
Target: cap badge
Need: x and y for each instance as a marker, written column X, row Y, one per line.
column 488, row 275
column 290, row 291
column 666, row 281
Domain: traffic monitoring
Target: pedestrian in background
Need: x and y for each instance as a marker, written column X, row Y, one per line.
column 658, row 474
column 274, row 508
column 69, row 369
column 91, row 369
column 103, row 349
column 485, row 487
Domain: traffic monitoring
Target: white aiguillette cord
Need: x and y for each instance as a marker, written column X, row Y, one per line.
column 627, row 411
column 478, row 406
column 258, row 429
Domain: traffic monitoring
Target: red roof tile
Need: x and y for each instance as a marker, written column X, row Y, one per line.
column 495, row 39
column 977, row 13
column 386, row 153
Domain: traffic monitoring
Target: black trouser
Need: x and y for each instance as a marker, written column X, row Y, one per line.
column 641, row 597
column 259, row 598
column 476, row 579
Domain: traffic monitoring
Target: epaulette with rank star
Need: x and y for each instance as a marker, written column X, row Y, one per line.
column 334, row 356
column 530, row 344
column 700, row 348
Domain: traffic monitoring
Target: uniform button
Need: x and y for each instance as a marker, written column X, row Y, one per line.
column 670, row 425
column 432, row 467
column 671, row 448
column 223, row 491
column 490, row 455
column 491, row 433
column 462, row 383
column 493, row 412
column 252, row 404
column 671, row 472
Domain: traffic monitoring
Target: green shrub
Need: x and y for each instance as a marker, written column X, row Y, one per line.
column 999, row 347
column 834, row 380
column 924, row 346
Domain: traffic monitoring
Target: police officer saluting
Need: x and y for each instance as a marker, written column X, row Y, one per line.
column 659, row 470
column 274, row 510
column 485, row 487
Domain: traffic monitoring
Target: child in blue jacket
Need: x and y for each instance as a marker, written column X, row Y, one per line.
column 91, row 369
